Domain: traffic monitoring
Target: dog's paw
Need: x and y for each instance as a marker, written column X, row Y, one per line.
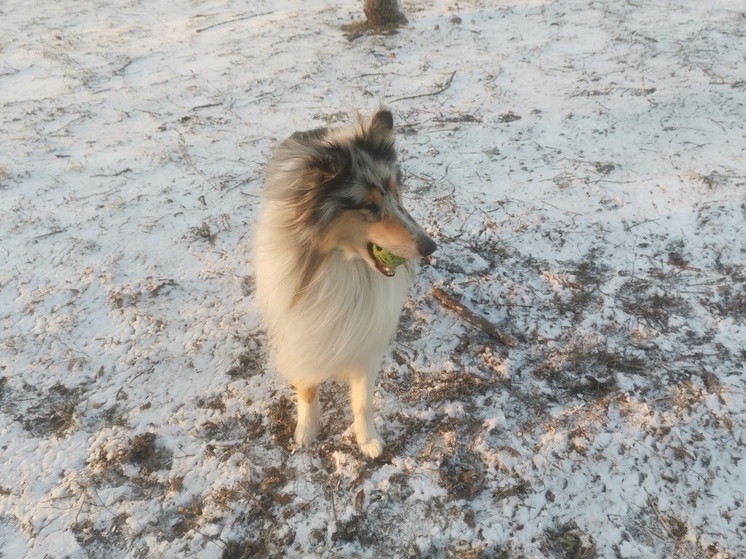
column 306, row 432
column 373, row 447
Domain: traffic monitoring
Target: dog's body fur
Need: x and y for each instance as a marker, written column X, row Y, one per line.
column 329, row 308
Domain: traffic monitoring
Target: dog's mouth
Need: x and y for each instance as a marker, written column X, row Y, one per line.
column 374, row 251
column 385, row 270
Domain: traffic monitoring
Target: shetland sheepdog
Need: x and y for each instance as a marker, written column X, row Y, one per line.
column 329, row 306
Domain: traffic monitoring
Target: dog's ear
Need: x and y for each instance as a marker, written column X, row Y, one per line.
column 382, row 123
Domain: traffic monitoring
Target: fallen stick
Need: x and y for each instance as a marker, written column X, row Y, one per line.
column 441, row 90
column 232, row 21
column 477, row 320
column 251, row 496
column 658, row 514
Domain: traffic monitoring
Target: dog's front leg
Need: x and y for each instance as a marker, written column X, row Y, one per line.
column 362, row 387
column 309, row 413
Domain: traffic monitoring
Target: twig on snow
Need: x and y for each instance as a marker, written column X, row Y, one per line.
column 441, row 90
column 56, row 231
column 658, row 514
column 251, row 496
column 118, row 173
column 198, row 107
column 627, row 226
column 232, row 21
column 477, row 320
column 190, row 163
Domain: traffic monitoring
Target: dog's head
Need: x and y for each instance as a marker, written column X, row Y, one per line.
column 346, row 191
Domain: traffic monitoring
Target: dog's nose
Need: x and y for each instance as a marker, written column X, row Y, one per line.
column 427, row 246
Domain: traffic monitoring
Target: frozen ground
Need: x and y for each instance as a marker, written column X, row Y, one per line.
column 584, row 173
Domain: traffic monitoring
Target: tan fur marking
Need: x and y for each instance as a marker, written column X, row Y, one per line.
column 351, row 232
column 392, row 233
column 348, row 231
column 311, row 263
column 395, row 189
column 307, row 395
column 374, row 197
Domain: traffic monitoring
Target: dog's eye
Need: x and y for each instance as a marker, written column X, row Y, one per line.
column 372, row 208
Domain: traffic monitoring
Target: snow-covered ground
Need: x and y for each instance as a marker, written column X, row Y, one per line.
column 581, row 165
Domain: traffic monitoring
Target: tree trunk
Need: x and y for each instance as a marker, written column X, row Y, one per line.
column 380, row 13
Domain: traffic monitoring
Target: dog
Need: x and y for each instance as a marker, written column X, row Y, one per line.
column 329, row 306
